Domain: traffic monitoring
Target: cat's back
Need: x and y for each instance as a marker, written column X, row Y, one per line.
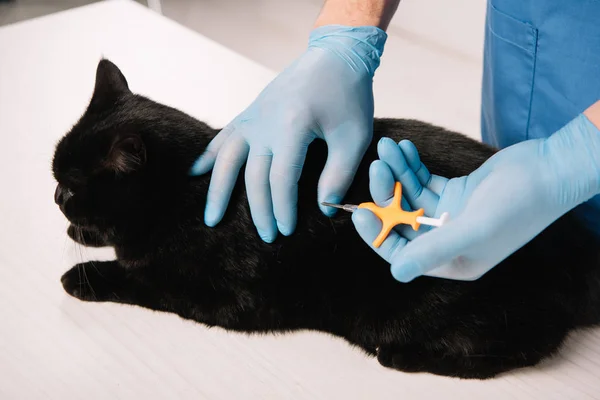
column 444, row 152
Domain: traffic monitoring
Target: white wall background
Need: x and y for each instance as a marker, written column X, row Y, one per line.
column 443, row 37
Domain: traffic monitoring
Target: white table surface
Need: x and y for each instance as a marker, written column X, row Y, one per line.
column 53, row 346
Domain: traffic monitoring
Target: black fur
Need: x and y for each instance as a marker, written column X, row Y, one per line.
column 123, row 181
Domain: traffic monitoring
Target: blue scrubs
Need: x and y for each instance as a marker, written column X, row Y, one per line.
column 541, row 69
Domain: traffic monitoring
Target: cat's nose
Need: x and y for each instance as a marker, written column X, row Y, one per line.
column 58, row 195
column 61, row 195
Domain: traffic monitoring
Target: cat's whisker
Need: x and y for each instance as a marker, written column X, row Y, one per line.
column 79, row 236
column 87, row 281
column 80, row 252
column 93, row 264
column 66, row 242
column 81, row 243
column 80, row 282
column 333, row 227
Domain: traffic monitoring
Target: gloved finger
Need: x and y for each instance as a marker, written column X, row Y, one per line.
column 434, row 183
column 416, row 195
column 381, row 183
column 207, row 159
column 368, row 227
column 285, row 173
column 440, row 246
column 343, row 159
column 258, row 190
column 381, row 186
column 230, row 159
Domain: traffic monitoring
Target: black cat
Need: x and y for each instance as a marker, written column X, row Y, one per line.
column 123, row 181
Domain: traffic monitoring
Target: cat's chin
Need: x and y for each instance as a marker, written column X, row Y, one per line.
column 70, row 214
column 80, row 223
column 87, row 236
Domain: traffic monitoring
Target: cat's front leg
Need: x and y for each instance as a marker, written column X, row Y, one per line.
column 102, row 281
column 97, row 281
column 108, row 281
column 87, row 237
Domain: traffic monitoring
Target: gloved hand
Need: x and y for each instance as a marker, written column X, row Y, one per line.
column 494, row 211
column 327, row 93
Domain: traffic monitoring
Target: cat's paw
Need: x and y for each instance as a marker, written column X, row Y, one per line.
column 86, row 237
column 401, row 358
column 415, row 358
column 90, row 281
column 76, row 282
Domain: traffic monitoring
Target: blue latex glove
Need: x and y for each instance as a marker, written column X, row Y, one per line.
column 327, row 93
column 494, row 211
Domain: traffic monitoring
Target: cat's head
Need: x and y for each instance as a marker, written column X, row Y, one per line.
column 125, row 156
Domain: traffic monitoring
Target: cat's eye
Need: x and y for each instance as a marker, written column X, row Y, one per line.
column 76, row 179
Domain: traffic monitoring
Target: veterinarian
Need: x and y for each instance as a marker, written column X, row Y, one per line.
column 541, row 72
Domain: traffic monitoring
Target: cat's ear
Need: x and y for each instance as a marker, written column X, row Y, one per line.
column 110, row 84
column 127, row 154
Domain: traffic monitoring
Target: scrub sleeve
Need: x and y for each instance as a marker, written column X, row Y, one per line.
column 541, row 69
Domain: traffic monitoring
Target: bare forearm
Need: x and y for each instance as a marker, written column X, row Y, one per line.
column 357, row 13
column 593, row 113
